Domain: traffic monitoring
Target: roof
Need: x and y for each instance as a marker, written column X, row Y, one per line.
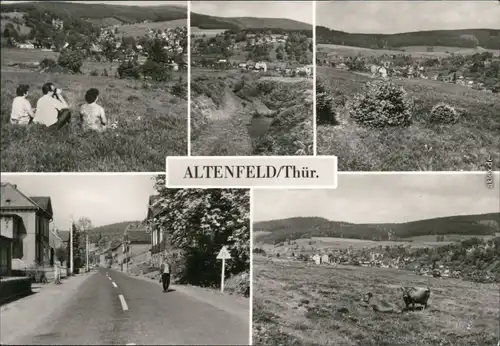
column 39, row 203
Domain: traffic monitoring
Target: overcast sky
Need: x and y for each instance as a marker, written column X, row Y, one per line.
column 126, row 3
column 388, row 17
column 105, row 199
column 383, row 198
column 301, row 11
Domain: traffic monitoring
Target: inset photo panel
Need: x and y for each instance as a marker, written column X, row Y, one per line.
column 93, row 86
column 125, row 259
column 408, row 85
column 385, row 259
column 251, row 78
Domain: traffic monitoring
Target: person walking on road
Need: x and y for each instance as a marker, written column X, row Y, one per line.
column 165, row 275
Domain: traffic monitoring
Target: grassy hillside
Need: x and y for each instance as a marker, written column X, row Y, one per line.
column 111, row 232
column 299, row 304
column 422, row 146
column 234, row 23
column 127, row 14
column 139, row 29
column 470, row 38
column 277, row 231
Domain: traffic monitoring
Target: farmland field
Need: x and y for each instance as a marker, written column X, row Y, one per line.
column 195, row 31
column 466, row 145
column 305, row 304
column 140, row 29
column 152, row 123
column 414, row 51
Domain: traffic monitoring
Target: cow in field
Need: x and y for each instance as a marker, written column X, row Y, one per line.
column 416, row 295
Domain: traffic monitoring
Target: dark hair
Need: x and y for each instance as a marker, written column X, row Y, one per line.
column 46, row 88
column 91, row 95
column 22, row 89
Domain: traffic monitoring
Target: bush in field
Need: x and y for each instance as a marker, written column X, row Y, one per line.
column 71, row 59
column 158, row 72
column 48, row 63
column 381, row 104
column 94, row 73
column 443, row 113
column 129, row 69
column 325, row 106
column 180, row 88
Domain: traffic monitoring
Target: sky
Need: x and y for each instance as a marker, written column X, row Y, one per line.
column 105, row 199
column 389, row 17
column 363, row 198
column 126, row 3
column 301, row 11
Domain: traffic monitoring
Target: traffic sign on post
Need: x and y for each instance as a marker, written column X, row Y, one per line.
column 223, row 255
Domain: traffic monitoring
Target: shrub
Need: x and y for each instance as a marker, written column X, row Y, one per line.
column 381, row 104
column 48, row 63
column 325, row 107
column 71, row 59
column 94, row 73
column 129, row 69
column 158, row 72
column 180, row 89
column 443, row 113
column 105, row 73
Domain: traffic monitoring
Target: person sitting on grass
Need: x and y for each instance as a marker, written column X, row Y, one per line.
column 92, row 115
column 52, row 109
column 21, row 113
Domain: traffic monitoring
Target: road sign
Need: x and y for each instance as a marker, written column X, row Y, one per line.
column 224, row 254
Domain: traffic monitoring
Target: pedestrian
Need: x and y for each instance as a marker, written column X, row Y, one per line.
column 92, row 115
column 165, row 274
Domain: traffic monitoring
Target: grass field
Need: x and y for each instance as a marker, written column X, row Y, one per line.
column 466, row 145
column 141, row 29
column 414, row 51
column 303, row 304
column 330, row 243
column 152, row 124
column 195, row 31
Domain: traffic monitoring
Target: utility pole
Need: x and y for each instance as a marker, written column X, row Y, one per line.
column 87, row 252
column 71, row 247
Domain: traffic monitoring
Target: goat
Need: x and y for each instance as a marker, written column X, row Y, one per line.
column 418, row 295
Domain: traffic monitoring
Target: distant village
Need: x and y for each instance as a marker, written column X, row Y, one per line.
column 444, row 69
column 396, row 257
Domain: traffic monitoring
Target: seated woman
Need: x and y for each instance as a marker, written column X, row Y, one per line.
column 92, row 115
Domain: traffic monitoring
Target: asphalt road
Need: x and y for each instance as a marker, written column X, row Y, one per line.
column 121, row 310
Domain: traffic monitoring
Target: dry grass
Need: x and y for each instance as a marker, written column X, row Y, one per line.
column 298, row 304
column 152, row 125
column 466, row 145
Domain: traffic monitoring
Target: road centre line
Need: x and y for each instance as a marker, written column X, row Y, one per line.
column 114, row 284
column 124, row 303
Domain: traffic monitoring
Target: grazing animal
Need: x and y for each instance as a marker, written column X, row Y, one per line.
column 416, row 295
column 378, row 305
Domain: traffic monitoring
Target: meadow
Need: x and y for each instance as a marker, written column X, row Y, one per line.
column 152, row 123
column 139, row 29
column 295, row 303
column 466, row 145
column 235, row 113
column 414, row 51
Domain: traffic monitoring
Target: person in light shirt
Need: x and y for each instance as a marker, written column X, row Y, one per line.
column 165, row 274
column 92, row 115
column 21, row 113
column 52, row 109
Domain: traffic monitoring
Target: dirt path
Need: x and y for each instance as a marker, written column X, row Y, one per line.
column 227, row 132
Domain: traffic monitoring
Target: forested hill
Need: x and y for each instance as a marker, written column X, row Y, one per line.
column 240, row 23
column 467, row 38
column 276, row 231
column 124, row 14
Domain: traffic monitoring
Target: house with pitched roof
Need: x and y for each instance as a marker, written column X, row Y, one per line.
column 156, row 236
column 24, row 236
